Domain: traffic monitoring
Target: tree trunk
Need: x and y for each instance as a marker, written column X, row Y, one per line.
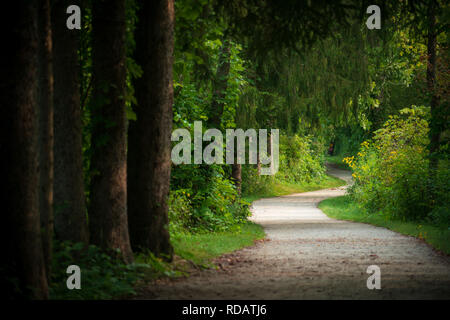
column 258, row 165
column 108, row 201
column 151, row 148
column 220, row 86
column 236, row 175
column 431, row 84
column 23, row 274
column 46, row 131
column 69, row 197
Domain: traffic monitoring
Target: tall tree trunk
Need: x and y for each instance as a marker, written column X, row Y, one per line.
column 220, row 85
column 431, row 84
column 46, row 131
column 23, row 274
column 69, row 198
column 148, row 202
column 108, row 201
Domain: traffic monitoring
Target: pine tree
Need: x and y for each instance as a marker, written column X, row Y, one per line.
column 149, row 141
column 108, row 201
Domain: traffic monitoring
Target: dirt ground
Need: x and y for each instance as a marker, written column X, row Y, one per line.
column 309, row 256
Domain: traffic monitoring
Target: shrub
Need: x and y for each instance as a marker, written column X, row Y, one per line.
column 103, row 276
column 298, row 162
column 208, row 201
column 252, row 183
column 180, row 211
column 392, row 174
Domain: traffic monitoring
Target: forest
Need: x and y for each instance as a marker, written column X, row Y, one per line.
column 92, row 95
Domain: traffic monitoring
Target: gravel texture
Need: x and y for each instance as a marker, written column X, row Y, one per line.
column 307, row 255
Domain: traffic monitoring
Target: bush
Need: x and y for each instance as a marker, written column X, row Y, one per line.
column 252, row 183
column 298, row 162
column 347, row 140
column 208, row 201
column 301, row 162
column 392, row 174
column 440, row 214
column 180, row 211
column 203, row 199
column 103, row 276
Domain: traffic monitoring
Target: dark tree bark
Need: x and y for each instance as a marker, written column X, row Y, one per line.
column 69, row 197
column 151, row 146
column 236, row 175
column 46, row 131
column 108, row 201
column 431, row 84
column 20, row 237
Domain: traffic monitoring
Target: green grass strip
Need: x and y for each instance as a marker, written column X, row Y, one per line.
column 343, row 208
column 202, row 248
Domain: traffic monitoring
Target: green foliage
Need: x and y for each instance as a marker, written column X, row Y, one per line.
column 392, row 173
column 252, row 183
column 347, row 140
column 102, row 275
column 272, row 25
column 341, row 89
column 201, row 248
column 180, row 211
column 205, row 200
column 298, row 162
column 395, row 60
column 301, row 169
column 281, row 188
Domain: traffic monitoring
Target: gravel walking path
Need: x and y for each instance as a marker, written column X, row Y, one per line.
column 309, row 256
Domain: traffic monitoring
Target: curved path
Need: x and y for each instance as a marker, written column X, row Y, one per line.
column 310, row 256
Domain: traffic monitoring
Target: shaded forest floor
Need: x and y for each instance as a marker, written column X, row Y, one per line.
column 308, row 255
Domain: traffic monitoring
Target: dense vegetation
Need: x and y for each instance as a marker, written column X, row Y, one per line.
column 392, row 174
column 89, row 115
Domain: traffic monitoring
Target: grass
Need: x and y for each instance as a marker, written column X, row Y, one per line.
column 199, row 249
column 202, row 248
column 281, row 188
column 343, row 208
